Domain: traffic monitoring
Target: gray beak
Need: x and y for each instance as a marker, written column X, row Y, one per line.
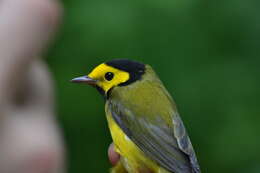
column 84, row 79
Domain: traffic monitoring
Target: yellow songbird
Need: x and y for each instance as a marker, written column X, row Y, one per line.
column 143, row 120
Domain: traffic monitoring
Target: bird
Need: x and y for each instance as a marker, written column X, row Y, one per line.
column 143, row 119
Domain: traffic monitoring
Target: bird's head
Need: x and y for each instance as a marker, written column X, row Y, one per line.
column 106, row 76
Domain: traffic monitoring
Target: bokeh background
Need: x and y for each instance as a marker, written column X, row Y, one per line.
column 206, row 53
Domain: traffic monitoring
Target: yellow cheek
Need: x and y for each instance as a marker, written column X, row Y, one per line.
column 100, row 71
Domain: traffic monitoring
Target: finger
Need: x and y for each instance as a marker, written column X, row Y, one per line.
column 30, row 128
column 25, row 28
column 112, row 155
column 35, row 90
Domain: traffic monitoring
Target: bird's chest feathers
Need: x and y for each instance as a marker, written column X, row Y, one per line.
column 119, row 138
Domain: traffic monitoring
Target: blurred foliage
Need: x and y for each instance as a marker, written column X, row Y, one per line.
column 206, row 53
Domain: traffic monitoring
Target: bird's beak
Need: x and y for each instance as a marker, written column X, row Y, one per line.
column 84, row 79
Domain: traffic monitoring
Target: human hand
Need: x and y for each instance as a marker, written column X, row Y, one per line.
column 29, row 139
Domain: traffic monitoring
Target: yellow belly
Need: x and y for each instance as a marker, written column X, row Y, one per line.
column 133, row 159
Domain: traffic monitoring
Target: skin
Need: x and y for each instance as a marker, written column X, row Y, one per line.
column 27, row 122
column 112, row 155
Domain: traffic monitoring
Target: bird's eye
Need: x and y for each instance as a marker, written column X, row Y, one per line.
column 109, row 76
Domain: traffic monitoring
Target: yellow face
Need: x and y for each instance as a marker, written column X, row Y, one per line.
column 107, row 77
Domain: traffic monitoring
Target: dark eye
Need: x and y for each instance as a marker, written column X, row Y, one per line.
column 109, row 76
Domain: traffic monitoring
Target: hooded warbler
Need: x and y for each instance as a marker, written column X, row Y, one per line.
column 144, row 123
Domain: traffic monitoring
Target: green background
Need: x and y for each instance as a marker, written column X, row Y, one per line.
column 206, row 53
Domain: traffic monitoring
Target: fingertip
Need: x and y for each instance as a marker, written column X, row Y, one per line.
column 112, row 155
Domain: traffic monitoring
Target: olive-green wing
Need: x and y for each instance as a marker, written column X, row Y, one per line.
column 169, row 147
